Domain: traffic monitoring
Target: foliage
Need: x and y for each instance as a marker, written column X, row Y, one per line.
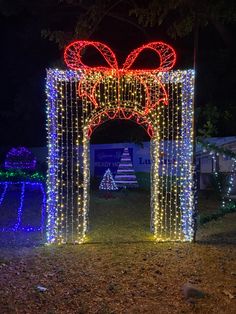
column 228, row 208
column 219, row 184
column 212, row 118
column 88, row 18
column 216, row 149
column 208, row 129
column 61, row 21
column 219, row 180
column 184, row 14
column 208, row 117
column 87, row 15
column 182, row 18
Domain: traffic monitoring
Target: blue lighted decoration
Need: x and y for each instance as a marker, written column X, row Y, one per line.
column 20, row 158
column 17, row 226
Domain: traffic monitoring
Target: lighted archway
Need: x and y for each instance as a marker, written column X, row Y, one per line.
column 159, row 99
column 122, row 114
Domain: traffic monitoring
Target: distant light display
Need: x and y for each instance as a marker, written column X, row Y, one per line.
column 20, row 158
column 125, row 176
column 214, row 153
column 20, row 175
column 79, row 100
column 17, row 224
column 20, row 172
column 108, row 182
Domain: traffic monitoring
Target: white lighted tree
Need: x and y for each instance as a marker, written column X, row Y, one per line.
column 108, row 182
column 125, row 176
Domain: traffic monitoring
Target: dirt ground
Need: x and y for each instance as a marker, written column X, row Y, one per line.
column 123, row 275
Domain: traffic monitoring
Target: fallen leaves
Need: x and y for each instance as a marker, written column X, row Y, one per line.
column 129, row 277
column 229, row 294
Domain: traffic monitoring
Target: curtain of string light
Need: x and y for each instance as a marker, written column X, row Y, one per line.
column 79, row 100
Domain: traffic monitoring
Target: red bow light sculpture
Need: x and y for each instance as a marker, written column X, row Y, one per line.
column 167, row 56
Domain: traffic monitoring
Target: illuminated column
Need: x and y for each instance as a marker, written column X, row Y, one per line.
column 187, row 192
column 64, row 178
column 155, row 188
column 52, row 179
column 86, row 183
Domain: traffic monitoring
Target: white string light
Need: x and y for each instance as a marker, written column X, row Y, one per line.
column 71, row 121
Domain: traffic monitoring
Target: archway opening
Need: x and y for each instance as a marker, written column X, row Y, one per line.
column 121, row 215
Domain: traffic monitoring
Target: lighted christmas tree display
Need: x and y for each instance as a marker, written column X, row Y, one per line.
column 108, row 182
column 125, row 176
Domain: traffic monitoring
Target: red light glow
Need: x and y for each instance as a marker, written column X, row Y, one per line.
column 73, row 59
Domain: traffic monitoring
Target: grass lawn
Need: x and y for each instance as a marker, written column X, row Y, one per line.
column 123, row 218
column 119, row 269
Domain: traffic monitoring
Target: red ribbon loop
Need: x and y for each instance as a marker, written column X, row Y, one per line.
column 166, row 54
column 73, row 55
column 73, row 59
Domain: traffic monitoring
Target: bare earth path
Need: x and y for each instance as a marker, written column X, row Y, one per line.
column 115, row 276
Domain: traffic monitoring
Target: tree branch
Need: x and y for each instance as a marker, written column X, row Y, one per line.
column 123, row 19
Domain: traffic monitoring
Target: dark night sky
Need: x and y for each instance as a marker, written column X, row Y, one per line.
column 25, row 56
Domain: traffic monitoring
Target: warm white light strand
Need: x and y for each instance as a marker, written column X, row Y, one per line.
column 70, row 118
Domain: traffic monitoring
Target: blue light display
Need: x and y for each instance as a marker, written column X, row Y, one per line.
column 17, row 225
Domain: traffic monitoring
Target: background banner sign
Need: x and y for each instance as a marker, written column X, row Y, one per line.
column 108, row 158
